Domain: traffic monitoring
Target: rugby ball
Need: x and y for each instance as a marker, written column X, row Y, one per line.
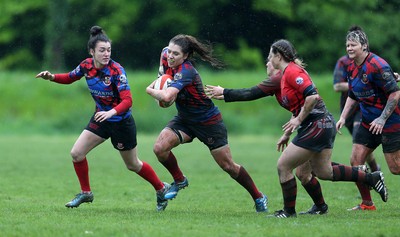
column 162, row 83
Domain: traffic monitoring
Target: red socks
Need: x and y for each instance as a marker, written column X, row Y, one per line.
column 82, row 171
column 150, row 175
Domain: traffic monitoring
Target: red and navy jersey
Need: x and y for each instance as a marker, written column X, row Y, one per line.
column 340, row 75
column 192, row 103
column 370, row 84
column 272, row 86
column 296, row 84
column 105, row 85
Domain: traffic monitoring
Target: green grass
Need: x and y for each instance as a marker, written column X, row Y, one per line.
column 37, row 179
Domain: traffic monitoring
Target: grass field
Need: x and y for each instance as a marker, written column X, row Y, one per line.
column 37, row 179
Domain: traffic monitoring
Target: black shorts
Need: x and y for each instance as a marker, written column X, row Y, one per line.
column 317, row 135
column 213, row 135
column 390, row 141
column 122, row 133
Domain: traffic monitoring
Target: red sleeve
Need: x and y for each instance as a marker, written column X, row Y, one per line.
column 272, row 84
column 126, row 102
column 63, row 78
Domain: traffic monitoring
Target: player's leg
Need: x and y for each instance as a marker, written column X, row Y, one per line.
column 391, row 151
column 393, row 162
column 358, row 158
column 292, row 157
column 223, row 157
column 313, row 188
column 124, row 139
column 83, row 145
column 144, row 170
column 169, row 138
column 370, row 158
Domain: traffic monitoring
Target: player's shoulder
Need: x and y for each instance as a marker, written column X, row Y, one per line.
column 344, row 59
column 344, row 62
column 376, row 60
column 87, row 63
column 293, row 70
column 115, row 67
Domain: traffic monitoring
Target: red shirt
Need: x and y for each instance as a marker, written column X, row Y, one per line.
column 296, row 85
column 294, row 82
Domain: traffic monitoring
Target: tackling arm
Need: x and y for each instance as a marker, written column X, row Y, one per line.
column 245, row 94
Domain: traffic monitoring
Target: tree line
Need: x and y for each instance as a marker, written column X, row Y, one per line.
column 52, row 34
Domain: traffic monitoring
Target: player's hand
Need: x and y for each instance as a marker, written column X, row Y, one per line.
column 339, row 125
column 45, row 75
column 282, row 142
column 150, row 87
column 152, row 84
column 214, row 92
column 104, row 115
column 377, row 126
column 292, row 125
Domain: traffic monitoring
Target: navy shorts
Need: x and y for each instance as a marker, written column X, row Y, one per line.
column 212, row 135
column 122, row 133
column 390, row 141
column 317, row 135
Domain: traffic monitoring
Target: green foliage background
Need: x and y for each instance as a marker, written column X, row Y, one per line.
column 32, row 105
column 52, row 34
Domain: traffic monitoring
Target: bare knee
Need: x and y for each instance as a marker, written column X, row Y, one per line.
column 232, row 169
column 323, row 176
column 133, row 167
column 229, row 167
column 77, row 155
column 224, row 160
column 303, row 177
column 158, row 150
column 161, row 152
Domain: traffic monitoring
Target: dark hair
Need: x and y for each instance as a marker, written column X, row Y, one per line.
column 191, row 45
column 357, row 34
column 287, row 50
column 96, row 34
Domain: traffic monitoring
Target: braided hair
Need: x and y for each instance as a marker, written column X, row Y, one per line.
column 288, row 52
column 357, row 34
column 191, row 45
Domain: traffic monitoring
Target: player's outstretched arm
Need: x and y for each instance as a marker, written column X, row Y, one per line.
column 45, row 75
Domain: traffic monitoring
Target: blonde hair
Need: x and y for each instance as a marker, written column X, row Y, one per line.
column 356, row 34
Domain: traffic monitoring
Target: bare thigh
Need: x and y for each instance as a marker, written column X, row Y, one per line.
column 84, row 144
column 293, row 156
column 321, row 164
column 131, row 160
column 166, row 141
column 223, row 157
column 304, row 172
column 393, row 162
column 359, row 154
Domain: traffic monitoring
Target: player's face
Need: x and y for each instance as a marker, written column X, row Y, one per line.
column 274, row 60
column 354, row 49
column 270, row 68
column 175, row 55
column 101, row 54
